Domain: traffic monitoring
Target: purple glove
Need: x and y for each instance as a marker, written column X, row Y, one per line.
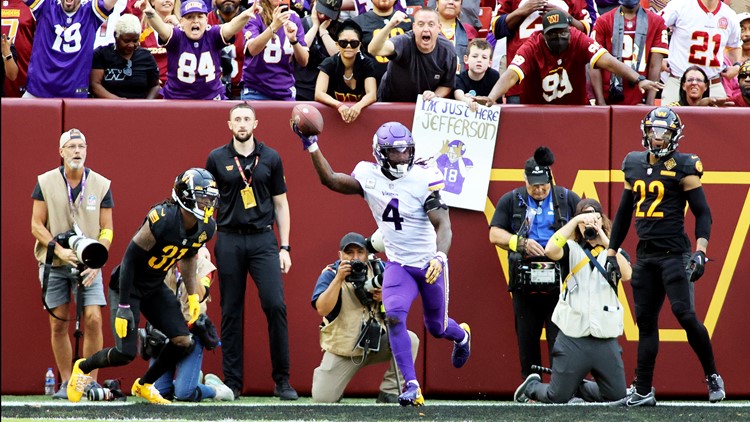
column 307, row 141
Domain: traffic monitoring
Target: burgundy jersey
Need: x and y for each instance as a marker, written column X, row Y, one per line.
column 656, row 42
column 739, row 100
column 194, row 67
column 150, row 41
column 533, row 23
column 18, row 23
column 555, row 79
column 236, row 51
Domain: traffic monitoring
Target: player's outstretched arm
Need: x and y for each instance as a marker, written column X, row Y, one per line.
column 163, row 29
column 337, row 182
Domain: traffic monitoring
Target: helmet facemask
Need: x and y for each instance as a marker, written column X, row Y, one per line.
column 195, row 191
column 390, row 138
column 663, row 124
column 663, row 134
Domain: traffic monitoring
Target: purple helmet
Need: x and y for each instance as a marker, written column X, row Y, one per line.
column 393, row 135
column 452, row 146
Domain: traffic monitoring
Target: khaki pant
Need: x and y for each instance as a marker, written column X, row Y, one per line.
column 334, row 373
column 740, row 6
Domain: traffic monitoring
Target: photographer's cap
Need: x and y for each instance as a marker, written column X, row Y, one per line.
column 330, row 8
column 555, row 19
column 194, row 6
column 353, row 239
column 535, row 174
column 71, row 135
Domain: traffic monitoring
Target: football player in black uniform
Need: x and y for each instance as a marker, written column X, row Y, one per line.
column 658, row 183
column 173, row 231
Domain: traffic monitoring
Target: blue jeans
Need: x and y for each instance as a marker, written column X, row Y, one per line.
column 251, row 94
column 185, row 385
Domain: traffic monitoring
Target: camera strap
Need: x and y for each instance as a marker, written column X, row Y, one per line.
column 45, row 277
column 599, row 267
column 618, row 33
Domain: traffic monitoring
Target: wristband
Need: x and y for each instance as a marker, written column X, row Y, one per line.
column 106, row 234
column 737, row 64
column 313, row 147
column 293, row 42
column 513, row 244
column 441, row 256
column 287, row 247
column 125, row 306
column 558, row 240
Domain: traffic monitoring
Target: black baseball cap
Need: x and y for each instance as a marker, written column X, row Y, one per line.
column 555, row 19
column 330, row 8
column 535, row 174
column 353, row 239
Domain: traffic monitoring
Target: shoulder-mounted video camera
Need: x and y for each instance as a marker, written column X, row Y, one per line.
column 89, row 252
column 364, row 286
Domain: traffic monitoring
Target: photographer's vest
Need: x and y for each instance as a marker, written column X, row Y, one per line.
column 59, row 217
column 592, row 307
column 340, row 335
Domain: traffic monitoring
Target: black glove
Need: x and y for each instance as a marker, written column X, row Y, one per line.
column 696, row 266
column 613, row 272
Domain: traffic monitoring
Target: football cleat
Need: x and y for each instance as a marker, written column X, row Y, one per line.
column 412, row 395
column 77, row 382
column 716, row 391
column 461, row 353
column 148, row 392
column 636, row 400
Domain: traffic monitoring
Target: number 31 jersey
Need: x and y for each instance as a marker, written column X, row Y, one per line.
column 173, row 243
column 398, row 208
column 658, row 195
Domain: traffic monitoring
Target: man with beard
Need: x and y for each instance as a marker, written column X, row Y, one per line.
column 252, row 190
column 553, row 62
column 232, row 56
column 421, row 62
column 61, row 56
column 637, row 37
column 742, row 99
column 373, row 22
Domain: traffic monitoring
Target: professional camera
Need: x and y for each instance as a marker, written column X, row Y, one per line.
column 88, row 251
column 363, row 286
column 590, row 233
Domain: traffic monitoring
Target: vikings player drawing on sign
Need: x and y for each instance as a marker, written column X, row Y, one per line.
column 194, row 50
column 453, row 164
column 404, row 198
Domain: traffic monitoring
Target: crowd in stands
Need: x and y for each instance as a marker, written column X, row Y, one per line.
column 348, row 54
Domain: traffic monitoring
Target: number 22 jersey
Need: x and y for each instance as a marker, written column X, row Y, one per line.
column 398, row 208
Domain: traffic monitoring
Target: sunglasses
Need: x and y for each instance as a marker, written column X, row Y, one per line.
column 743, row 75
column 348, row 43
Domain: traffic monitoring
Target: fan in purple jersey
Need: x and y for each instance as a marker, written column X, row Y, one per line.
column 274, row 38
column 194, row 50
column 453, row 164
column 63, row 47
column 404, row 197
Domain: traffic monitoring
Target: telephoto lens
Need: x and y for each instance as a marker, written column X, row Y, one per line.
column 590, row 233
column 100, row 394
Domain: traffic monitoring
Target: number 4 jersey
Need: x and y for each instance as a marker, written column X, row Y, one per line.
column 173, row 243
column 63, row 48
column 398, row 208
column 659, row 198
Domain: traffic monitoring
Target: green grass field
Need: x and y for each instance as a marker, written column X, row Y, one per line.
column 28, row 408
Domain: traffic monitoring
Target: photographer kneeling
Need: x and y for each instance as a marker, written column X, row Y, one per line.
column 353, row 334
column 588, row 314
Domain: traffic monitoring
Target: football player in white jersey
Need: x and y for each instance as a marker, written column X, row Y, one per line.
column 404, row 198
column 701, row 31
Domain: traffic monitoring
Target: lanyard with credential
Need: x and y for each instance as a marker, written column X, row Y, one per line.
column 73, row 206
column 248, row 197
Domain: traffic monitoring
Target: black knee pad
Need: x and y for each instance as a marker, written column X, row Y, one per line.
column 118, row 358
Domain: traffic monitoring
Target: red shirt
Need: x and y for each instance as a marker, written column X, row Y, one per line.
column 533, row 23
column 739, row 100
column 238, row 52
column 656, row 42
column 555, row 79
column 18, row 22
column 149, row 41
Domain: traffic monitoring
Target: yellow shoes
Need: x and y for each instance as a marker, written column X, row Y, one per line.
column 148, row 392
column 77, row 382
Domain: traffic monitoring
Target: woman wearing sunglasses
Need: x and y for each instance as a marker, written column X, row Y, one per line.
column 349, row 76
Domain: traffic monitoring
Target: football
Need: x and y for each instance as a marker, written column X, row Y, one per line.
column 308, row 119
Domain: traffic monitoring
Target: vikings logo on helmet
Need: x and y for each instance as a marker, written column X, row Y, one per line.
column 456, row 150
column 665, row 124
column 389, row 137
